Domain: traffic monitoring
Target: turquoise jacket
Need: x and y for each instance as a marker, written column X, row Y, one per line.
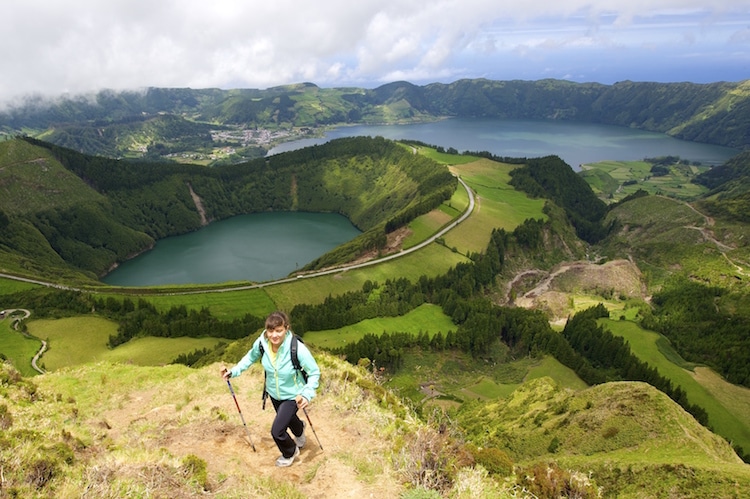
column 283, row 382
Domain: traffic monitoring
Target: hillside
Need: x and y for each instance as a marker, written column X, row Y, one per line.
column 730, row 189
column 115, row 430
column 665, row 265
column 210, row 126
column 95, row 212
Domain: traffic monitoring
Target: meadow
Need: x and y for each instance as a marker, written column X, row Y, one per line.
column 19, row 349
column 426, row 318
column 615, row 180
column 75, row 341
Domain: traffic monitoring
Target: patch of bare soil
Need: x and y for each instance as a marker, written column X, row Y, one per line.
column 550, row 290
column 394, row 243
column 211, row 429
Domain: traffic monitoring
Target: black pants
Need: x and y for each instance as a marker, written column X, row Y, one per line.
column 286, row 418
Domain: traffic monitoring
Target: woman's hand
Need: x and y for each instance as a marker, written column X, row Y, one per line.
column 225, row 373
column 301, row 402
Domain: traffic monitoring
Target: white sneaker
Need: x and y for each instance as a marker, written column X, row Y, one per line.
column 283, row 462
column 302, row 439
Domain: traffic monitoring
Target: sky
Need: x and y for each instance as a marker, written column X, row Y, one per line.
column 70, row 47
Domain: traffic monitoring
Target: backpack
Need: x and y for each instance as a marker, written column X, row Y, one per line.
column 295, row 363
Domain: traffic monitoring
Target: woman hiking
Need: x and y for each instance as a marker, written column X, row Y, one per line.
column 290, row 388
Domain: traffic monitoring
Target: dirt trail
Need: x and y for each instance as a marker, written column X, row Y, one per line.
column 349, row 444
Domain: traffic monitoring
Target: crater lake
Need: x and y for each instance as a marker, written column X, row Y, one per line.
column 255, row 247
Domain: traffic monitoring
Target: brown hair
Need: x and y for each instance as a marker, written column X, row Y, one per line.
column 276, row 319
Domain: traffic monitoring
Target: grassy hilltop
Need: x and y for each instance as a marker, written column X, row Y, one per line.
column 114, row 430
column 484, row 391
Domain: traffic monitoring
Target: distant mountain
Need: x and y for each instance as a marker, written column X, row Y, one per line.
column 715, row 113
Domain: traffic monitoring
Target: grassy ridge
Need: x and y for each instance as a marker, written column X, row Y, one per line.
column 629, row 436
column 116, row 429
column 32, row 180
column 731, row 420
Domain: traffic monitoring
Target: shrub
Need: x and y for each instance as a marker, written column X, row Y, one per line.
column 553, row 445
column 196, row 469
column 548, row 480
column 431, row 459
column 41, row 471
column 495, row 461
column 6, row 418
column 611, row 432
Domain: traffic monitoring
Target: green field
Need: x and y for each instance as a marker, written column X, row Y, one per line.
column 498, row 205
column 80, row 340
column 19, row 349
column 10, row 286
column 614, row 180
column 227, row 305
column 727, row 418
column 427, row 318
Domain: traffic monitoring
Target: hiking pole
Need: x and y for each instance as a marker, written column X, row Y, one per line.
column 312, row 427
column 229, row 384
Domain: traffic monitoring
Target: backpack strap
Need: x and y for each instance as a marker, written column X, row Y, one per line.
column 295, row 359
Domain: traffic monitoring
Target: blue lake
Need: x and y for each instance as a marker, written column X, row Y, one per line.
column 575, row 143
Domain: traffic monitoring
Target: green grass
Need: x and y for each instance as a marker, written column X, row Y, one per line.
column 19, row 349
column 152, row 351
column 550, row 366
column 445, row 158
column 498, row 205
column 39, row 182
column 426, row 225
column 607, row 179
column 431, row 261
column 427, row 318
column 645, row 345
column 226, row 305
column 81, row 340
column 493, row 387
column 72, row 341
column 10, row 286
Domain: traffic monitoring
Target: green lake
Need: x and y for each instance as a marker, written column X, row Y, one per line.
column 257, row 247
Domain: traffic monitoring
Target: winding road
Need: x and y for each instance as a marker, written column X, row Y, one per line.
column 14, row 324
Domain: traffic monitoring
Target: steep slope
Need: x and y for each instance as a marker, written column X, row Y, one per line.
column 115, row 430
column 632, row 439
column 730, row 189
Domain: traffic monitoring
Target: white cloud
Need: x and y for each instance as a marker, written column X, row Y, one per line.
column 58, row 46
